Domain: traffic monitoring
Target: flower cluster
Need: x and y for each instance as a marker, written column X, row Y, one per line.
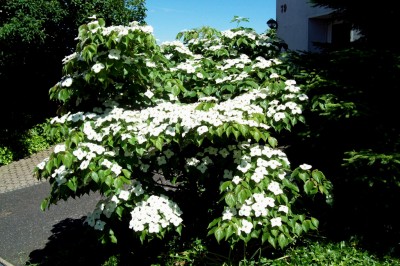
column 154, row 213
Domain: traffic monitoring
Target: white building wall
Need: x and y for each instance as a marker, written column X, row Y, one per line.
column 299, row 24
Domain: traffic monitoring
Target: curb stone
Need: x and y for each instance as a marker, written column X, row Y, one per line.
column 3, row 262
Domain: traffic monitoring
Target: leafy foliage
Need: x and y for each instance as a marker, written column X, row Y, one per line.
column 150, row 126
column 350, row 133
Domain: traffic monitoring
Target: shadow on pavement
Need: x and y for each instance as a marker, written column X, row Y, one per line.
column 72, row 243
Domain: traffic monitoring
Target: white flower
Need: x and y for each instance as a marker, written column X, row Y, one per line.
column 99, row 225
column 154, row 228
column 116, row 169
column 59, row 148
column 79, row 153
column 244, row 166
column 224, row 152
column 236, row 179
column 245, row 210
column 276, row 221
column 303, row 97
column 279, row 116
column 257, row 177
column 274, row 188
column 305, row 166
column 246, row 226
column 192, row 161
column 161, row 160
column 124, row 194
column 170, row 131
column 202, row 129
column 283, row 208
column 228, row 174
column 273, row 75
column 98, row 67
column 149, row 94
column 144, row 167
column 138, row 190
column 114, row 54
column 150, row 64
column 106, row 163
column 43, row 163
column 228, row 213
column 168, row 153
column 84, row 164
column 202, row 168
column 67, row 82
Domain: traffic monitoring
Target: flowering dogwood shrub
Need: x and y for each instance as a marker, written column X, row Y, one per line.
column 158, row 128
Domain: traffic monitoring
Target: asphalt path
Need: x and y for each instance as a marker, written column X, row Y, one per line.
column 28, row 234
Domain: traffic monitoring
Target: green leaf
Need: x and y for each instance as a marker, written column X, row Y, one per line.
column 310, row 188
column 224, row 186
column 214, row 222
column 264, row 237
column 243, row 195
column 304, row 176
column 179, row 230
column 49, row 166
column 118, row 182
column 175, row 90
column 272, row 241
column 109, row 180
column 315, row 222
column 219, row 234
column 44, row 205
column 119, row 210
column 95, row 177
column 229, row 231
column 112, row 237
column 255, row 133
column 282, row 240
column 318, row 176
column 306, row 225
column 230, row 199
column 126, row 173
column 255, row 233
column 220, row 131
column 67, row 159
column 72, row 184
column 272, row 141
column 208, row 105
column 228, row 131
column 298, row 229
column 159, row 143
column 290, row 185
column 236, row 133
column 243, row 129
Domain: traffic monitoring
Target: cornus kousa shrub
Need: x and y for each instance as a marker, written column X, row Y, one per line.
column 180, row 135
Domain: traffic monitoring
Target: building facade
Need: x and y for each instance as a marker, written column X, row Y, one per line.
column 302, row 27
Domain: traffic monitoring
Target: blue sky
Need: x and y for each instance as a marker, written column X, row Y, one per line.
column 168, row 17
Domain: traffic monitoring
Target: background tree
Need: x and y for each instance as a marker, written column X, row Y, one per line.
column 352, row 129
column 35, row 35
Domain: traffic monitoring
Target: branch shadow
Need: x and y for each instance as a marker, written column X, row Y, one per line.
column 72, row 243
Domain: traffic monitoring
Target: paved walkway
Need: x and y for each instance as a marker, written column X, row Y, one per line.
column 29, row 235
column 19, row 174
